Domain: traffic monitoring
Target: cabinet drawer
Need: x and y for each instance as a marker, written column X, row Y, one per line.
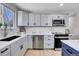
column 70, row 50
column 48, row 41
column 5, row 51
column 49, row 36
column 48, row 45
column 22, row 48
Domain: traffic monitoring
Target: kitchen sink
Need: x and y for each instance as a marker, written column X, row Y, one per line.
column 9, row 38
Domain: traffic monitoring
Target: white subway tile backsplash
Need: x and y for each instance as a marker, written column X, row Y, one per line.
column 45, row 29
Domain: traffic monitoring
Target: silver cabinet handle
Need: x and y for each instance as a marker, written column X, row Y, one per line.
column 48, row 39
column 46, row 24
column 4, row 50
column 49, row 36
column 34, row 24
column 48, row 44
column 21, row 47
column 28, row 23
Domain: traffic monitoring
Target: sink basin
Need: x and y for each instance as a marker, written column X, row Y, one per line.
column 9, row 38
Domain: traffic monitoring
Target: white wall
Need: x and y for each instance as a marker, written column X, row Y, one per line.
column 45, row 29
column 74, row 25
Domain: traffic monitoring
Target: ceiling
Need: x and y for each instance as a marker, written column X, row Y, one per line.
column 49, row 7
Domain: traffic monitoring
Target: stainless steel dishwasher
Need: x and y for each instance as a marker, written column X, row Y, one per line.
column 38, row 41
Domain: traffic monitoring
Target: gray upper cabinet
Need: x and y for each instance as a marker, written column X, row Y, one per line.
column 43, row 19
column 49, row 20
column 22, row 18
column 37, row 19
column 31, row 20
column 46, row 20
column 34, row 20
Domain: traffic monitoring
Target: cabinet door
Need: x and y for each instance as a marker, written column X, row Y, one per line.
column 5, row 51
column 26, row 42
column 18, row 48
column 31, row 20
column 15, row 48
column 22, row 48
column 44, row 20
column 48, row 45
column 0, row 10
column 22, row 18
column 19, row 18
column 25, row 19
column 37, row 20
column 29, row 40
column 49, row 41
column 49, row 20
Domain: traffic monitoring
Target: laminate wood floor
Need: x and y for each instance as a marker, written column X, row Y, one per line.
column 43, row 53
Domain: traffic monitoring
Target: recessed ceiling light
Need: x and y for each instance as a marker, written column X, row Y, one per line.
column 61, row 4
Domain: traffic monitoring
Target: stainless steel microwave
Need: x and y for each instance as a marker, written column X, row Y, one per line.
column 58, row 22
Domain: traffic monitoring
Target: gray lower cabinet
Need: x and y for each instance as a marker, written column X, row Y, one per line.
column 22, row 46
column 29, row 41
column 49, row 41
column 15, row 48
column 26, row 43
column 5, row 51
column 18, row 48
column 69, row 51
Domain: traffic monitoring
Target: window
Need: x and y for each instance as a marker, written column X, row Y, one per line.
column 8, row 16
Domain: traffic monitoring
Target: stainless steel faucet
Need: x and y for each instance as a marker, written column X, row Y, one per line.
column 5, row 31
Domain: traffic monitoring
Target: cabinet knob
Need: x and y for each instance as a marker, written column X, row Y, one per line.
column 34, row 24
column 58, row 16
column 49, row 36
column 46, row 23
column 48, row 44
column 21, row 47
column 28, row 24
column 48, row 39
